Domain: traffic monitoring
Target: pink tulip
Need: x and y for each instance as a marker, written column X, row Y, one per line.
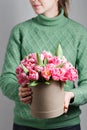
column 22, row 78
column 33, row 75
column 54, row 60
column 54, row 69
column 46, row 73
column 46, row 54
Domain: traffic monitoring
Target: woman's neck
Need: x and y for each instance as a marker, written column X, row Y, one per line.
column 52, row 13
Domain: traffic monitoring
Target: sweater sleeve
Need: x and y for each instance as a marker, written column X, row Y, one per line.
column 8, row 80
column 80, row 92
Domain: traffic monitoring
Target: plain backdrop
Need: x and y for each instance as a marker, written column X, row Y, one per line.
column 12, row 13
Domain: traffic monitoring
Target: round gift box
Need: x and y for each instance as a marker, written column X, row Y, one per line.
column 47, row 100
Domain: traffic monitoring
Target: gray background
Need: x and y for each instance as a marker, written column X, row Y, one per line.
column 11, row 13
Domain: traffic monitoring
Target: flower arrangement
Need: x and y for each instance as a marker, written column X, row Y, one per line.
column 36, row 68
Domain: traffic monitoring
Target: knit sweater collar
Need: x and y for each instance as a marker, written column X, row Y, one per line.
column 43, row 20
column 44, row 23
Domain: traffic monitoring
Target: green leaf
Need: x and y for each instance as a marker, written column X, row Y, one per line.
column 27, row 57
column 60, row 66
column 45, row 61
column 47, row 83
column 33, row 83
column 39, row 61
column 59, row 51
column 25, row 69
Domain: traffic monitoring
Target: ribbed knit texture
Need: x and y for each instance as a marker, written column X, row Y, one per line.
column 35, row 35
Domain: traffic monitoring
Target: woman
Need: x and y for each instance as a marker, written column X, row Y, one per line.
column 50, row 27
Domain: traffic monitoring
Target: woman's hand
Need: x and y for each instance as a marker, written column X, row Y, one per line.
column 68, row 97
column 25, row 94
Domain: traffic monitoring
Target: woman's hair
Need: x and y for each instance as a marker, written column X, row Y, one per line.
column 64, row 4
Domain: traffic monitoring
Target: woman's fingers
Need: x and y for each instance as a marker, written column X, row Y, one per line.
column 26, row 99
column 25, row 94
column 68, row 97
column 66, row 103
column 24, row 88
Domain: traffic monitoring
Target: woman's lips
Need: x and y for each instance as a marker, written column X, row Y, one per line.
column 36, row 6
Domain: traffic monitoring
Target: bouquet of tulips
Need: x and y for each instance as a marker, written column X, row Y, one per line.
column 45, row 67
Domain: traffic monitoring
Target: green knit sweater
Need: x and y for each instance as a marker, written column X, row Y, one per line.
column 35, row 35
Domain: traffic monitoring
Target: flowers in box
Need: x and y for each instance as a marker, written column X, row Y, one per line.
column 45, row 67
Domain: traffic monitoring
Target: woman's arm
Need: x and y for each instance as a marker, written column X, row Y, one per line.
column 8, row 80
column 80, row 93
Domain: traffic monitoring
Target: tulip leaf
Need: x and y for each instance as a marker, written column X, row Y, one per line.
column 39, row 61
column 33, row 83
column 59, row 51
column 45, row 61
column 47, row 83
column 25, row 69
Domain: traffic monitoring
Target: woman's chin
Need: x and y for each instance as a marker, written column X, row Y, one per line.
column 38, row 12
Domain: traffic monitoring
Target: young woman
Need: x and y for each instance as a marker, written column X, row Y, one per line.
column 43, row 32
